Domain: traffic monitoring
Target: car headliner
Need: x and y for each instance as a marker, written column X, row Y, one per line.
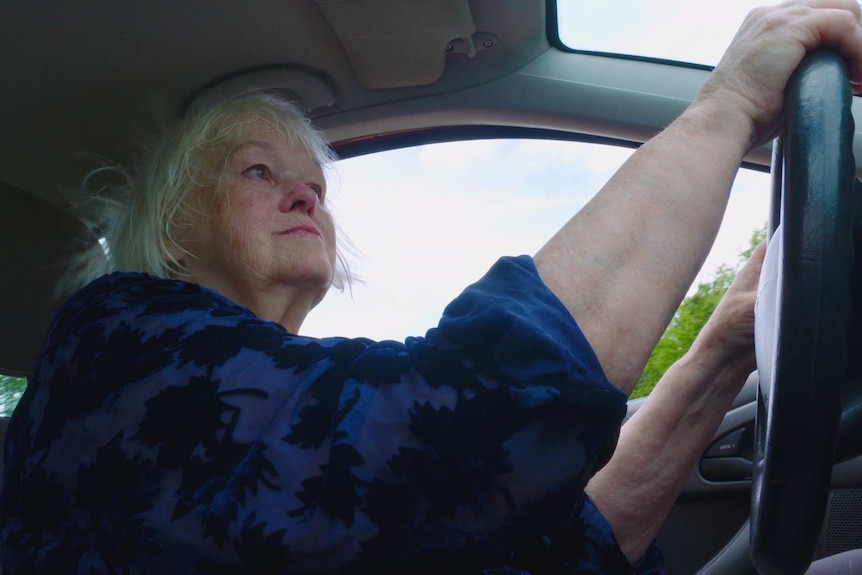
column 88, row 82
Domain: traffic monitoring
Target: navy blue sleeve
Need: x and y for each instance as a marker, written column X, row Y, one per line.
column 167, row 429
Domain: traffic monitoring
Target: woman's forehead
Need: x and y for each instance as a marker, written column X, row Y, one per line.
column 263, row 137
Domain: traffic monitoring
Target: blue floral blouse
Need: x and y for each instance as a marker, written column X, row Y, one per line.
column 168, row 430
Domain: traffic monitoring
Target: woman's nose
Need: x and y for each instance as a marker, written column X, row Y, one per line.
column 298, row 196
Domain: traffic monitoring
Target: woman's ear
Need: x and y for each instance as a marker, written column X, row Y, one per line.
column 176, row 254
column 177, row 237
column 175, row 258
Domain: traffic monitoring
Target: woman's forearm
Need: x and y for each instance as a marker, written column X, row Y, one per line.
column 662, row 441
column 622, row 265
column 658, row 448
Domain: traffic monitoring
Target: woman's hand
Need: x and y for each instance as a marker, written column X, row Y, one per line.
column 727, row 339
column 769, row 46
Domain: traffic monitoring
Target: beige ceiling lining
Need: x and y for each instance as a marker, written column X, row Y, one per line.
column 309, row 88
column 393, row 43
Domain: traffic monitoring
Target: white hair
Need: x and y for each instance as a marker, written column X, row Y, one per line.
column 136, row 213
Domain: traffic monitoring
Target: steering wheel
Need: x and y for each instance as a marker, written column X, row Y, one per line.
column 802, row 316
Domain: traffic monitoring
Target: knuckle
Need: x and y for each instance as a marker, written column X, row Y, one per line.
column 775, row 19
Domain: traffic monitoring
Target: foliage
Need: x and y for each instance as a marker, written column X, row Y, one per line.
column 688, row 320
column 11, row 389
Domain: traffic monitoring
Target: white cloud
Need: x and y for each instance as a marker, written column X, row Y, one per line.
column 676, row 29
column 457, row 156
column 747, row 211
column 426, row 234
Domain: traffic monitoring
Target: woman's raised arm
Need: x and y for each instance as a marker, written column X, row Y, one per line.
column 622, row 265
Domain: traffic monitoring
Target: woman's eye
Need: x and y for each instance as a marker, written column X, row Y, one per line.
column 258, row 171
column 318, row 189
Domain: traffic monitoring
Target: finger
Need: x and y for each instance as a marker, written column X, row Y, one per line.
column 850, row 5
column 814, row 24
column 771, row 43
column 747, row 277
column 835, row 24
column 758, row 253
column 755, row 261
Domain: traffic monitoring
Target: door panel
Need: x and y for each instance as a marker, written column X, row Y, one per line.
column 707, row 530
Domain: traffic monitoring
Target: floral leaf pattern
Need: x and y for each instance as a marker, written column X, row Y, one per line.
column 167, row 429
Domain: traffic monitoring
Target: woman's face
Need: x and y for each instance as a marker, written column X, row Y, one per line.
column 264, row 231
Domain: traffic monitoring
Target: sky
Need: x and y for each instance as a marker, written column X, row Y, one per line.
column 684, row 30
column 426, row 222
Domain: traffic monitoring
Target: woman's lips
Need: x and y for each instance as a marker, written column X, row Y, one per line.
column 302, row 230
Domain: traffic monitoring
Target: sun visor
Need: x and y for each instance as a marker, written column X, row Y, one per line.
column 393, row 43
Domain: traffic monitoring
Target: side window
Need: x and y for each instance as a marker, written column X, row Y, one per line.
column 425, row 222
column 11, row 389
column 744, row 226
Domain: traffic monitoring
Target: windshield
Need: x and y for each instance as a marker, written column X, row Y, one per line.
column 681, row 30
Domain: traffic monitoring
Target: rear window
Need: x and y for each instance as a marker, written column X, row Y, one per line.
column 681, row 30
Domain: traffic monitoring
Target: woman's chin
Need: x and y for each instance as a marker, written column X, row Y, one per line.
column 316, row 280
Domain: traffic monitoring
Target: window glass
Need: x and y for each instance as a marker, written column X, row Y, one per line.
column 11, row 389
column 429, row 220
column 671, row 29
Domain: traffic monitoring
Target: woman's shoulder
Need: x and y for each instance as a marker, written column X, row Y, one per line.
column 152, row 294
column 133, row 298
column 135, row 287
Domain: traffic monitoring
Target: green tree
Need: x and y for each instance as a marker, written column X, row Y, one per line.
column 11, row 389
column 689, row 319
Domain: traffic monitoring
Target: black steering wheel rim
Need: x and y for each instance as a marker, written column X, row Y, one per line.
column 802, row 316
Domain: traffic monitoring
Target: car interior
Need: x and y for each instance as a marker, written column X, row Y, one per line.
column 91, row 81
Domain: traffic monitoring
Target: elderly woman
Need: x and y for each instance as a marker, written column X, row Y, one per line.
column 178, row 423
